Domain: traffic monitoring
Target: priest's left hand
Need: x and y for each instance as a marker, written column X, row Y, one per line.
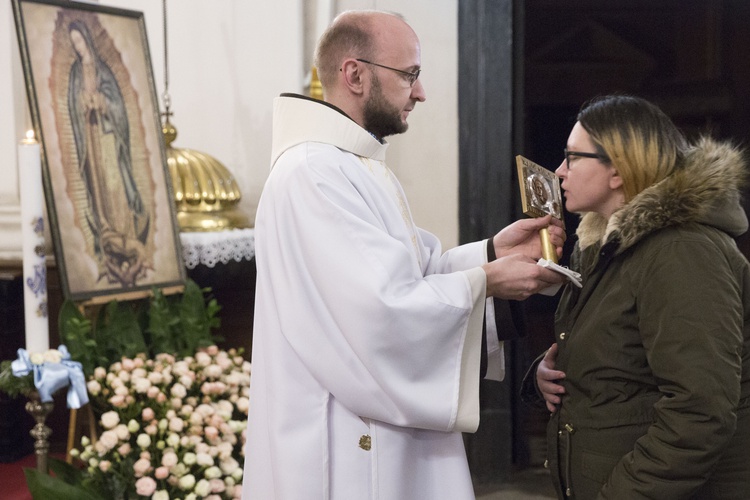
column 523, row 237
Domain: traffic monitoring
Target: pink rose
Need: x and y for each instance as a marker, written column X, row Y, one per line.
column 176, row 424
column 212, row 433
column 145, row 486
column 161, row 472
column 169, row 459
column 147, row 414
column 141, row 467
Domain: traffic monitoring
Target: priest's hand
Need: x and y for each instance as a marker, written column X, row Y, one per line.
column 523, row 237
column 517, row 277
column 548, row 379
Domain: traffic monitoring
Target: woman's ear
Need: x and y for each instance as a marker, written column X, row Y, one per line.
column 615, row 181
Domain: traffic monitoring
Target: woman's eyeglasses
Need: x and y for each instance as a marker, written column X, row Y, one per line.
column 568, row 154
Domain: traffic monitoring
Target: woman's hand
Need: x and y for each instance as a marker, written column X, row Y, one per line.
column 547, row 379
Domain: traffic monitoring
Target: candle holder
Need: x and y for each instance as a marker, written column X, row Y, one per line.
column 40, row 432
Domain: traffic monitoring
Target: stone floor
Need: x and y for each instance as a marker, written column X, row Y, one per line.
column 528, row 484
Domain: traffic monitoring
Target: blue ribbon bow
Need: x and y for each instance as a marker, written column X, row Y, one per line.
column 51, row 377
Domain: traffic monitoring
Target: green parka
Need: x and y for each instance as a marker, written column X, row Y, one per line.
column 656, row 345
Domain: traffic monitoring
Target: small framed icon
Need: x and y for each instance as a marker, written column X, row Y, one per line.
column 540, row 189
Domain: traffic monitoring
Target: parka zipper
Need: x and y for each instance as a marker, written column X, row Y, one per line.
column 569, row 431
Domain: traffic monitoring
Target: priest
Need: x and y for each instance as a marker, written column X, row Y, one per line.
column 369, row 341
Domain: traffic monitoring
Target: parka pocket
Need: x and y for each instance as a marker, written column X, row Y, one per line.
column 598, row 466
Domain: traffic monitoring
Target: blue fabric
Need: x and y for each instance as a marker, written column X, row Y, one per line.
column 51, row 377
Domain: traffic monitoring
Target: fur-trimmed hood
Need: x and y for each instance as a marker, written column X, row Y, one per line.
column 706, row 190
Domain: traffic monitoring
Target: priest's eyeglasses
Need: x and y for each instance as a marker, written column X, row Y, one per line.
column 568, row 154
column 409, row 77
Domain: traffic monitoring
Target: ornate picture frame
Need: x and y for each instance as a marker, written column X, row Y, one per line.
column 91, row 93
column 540, row 189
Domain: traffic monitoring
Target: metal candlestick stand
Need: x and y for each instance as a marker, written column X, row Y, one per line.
column 40, row 432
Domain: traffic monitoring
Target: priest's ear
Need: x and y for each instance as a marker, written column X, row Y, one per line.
column 353, row 76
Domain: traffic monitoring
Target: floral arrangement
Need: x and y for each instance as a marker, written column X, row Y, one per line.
column 173, row 428
column 171, row 406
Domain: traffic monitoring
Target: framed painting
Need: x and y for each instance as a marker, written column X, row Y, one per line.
column 92, row 97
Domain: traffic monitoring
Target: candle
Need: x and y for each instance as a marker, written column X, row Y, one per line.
column 32, row 233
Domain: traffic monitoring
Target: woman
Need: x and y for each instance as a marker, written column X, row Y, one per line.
column 649, row 379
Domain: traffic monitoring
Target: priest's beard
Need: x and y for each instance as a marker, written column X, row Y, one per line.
column 381, row 118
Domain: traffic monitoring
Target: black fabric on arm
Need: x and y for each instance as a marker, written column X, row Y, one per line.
column 510, row 321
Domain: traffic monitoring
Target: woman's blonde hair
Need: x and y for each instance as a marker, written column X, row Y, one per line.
column 640, row 141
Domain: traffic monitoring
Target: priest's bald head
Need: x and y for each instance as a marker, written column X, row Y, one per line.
column 368, row 63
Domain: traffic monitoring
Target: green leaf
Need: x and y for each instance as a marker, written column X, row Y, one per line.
column 197, row 319
column 46, row 487
column 119, row 333
column 162, row 323
column 10, row 384
column 76, row 334
column 65, row 471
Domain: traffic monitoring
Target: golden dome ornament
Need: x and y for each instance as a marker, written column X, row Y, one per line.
column 316, row 88
column 206, row 194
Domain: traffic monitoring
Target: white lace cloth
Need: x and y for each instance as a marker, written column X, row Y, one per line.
column 210, row 248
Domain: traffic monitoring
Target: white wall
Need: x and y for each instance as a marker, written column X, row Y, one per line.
column 227, row 61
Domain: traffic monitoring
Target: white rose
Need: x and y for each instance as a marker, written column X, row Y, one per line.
column 52, row 356
column 176, row 424
column 110, row 419
column 237, row 474
column 134, row 426
column 178, row 391
column 142, row 385
column 189, row 458
column 212, row 371
column 94, row 387
column 122, row 432
column 228, row 465
column 169, row 459
column 202, row 358
column 143, row 441
column 203, row 488
column 36, row 358
column 160, row 495
column 212, row 472
column 188, row 481
column 173, row 440
column 204, row 459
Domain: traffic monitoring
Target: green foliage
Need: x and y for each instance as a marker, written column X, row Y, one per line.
column 197, row 319
column 46, row 487
column 14, row 386
column 176, row 324
column 118, row 332
column 76, row 334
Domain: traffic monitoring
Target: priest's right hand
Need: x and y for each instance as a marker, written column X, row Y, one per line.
column 517, row 277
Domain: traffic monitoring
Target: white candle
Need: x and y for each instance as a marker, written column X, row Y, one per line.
column 32, row 232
